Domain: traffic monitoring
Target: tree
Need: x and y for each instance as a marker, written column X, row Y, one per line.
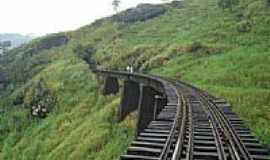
column 228, row 4
column 4, row 45
column 116, row 4
column 86, row 53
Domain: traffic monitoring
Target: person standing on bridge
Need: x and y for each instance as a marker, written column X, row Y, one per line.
column 130, row 68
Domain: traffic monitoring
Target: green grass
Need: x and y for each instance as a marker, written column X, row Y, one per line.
column 240, row 75
column 82, row 125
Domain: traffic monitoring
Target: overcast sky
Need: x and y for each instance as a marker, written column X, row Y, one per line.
column 50, row 16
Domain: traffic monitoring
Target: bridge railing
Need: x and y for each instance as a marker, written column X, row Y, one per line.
column 155, row 82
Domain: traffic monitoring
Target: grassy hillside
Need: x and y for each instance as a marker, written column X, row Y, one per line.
column 225, row 52
column 82, row 123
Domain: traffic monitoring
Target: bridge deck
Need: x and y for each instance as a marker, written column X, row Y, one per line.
column 192, row 125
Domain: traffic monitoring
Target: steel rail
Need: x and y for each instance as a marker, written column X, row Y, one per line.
column 231, row 136
column 237, row 149
column 164, row 154
column 189, row 152
column 182, row 129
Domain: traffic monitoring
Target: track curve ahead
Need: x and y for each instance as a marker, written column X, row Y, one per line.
column 192, row 125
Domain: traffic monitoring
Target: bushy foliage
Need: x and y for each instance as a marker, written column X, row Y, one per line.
column 24, row 62
column 200, row 49
column 267, row 2
column 86, row 53
column 3, row 78
column 227, row 3
column 244, row 26
column 142, row 12
column 155, row 62
column 39, row 94
column 54, row 40
column 80, row 117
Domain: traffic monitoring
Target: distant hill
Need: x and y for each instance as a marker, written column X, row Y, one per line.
column 16, row 39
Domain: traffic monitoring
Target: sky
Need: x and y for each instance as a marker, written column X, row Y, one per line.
column 50, row 16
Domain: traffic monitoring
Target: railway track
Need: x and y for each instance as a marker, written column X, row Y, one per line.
column 194, row 125
column 216, row 132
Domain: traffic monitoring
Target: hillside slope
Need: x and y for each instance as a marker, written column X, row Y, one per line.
column 225, row 52
column 16, row 39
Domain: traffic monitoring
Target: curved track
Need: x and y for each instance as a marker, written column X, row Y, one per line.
column 193, row 125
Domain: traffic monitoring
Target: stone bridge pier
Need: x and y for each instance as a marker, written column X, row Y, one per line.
column 130, row 99
column 136, row 96
column 147, row 107
column 111, row 86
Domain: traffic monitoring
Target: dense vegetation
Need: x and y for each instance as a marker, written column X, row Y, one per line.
column 224, row 50
column 16, row 39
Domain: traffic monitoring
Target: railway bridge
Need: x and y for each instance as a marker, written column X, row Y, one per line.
column 178, row 121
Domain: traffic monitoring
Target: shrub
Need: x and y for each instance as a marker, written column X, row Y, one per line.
column 219, row 35
column 194, row 47
column 225, row 3
column 19, row 99
column 256, row 8
column 86, row 53
column 155, row 62
column 45, row 43
column 176, row 3
column 3, row 78
column 239, row 13
column 136, row 57
column 142, row 12
column 244, row 26
column 38, row 95
column 199, row 49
